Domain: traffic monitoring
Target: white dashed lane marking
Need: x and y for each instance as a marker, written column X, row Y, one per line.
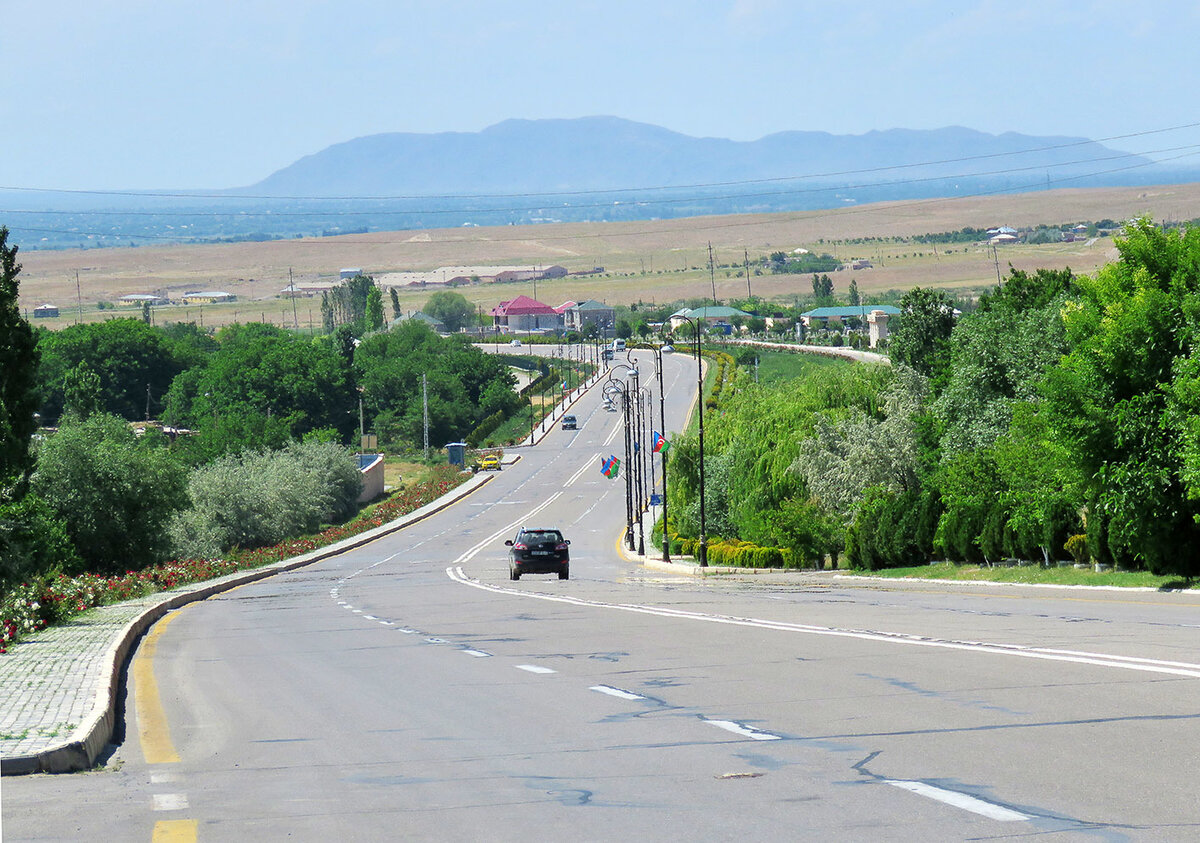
column 533, row 668
column 170, row 802
column 616, row 692
column 743, row 730
column 960, row 800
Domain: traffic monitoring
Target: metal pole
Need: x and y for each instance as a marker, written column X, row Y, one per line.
column 629, row 477
column 662, row 415
column 637, row 460
column 702, row 556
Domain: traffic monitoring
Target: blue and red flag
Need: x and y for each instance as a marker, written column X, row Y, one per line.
column 610, row 467
column 660, row 442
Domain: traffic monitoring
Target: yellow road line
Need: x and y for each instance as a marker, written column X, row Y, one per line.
column 152, row 720
column 175, row 831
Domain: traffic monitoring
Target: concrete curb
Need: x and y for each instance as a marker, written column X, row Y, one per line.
column 86, row 743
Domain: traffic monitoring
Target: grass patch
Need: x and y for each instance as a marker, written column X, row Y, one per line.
column 1034, row 574
column 776, row 366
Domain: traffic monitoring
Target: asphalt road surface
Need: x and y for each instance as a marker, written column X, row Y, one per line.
column 408, row 690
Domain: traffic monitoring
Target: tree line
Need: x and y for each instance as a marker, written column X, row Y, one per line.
column 1057, row 420
column 250, row 423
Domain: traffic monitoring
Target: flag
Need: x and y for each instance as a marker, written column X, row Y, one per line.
column 660, row 443
column 610, row 467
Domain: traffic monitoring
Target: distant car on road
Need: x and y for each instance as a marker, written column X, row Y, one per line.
column 490, row 463
column 607, row 354
column 515, row 343
column 538, row 551
column 569, row 423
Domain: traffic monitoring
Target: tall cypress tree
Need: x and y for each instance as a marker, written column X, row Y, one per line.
column 19, row 360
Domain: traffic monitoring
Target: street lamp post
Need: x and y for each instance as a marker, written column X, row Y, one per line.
column 702, row 550
column 662, row 418
column 634, row 398
column 614, row 385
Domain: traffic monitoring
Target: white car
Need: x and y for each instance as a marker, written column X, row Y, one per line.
column 515, row 343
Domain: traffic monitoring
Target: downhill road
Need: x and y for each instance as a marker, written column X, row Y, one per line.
column 410, row 690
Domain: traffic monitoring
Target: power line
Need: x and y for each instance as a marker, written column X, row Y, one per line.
column 227, row 195
column 874, row 208
column 1188, row 150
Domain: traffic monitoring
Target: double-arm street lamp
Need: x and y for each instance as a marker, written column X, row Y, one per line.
column 614, row 386
column 659, row 350
column 696, row 323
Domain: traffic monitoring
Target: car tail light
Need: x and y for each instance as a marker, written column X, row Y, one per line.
column 561, row 546
column 520, row 546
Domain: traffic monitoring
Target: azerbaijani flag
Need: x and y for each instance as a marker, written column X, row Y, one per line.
column 661, row 445
column 610, row 467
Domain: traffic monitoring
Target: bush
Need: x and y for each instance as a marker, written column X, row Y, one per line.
column 33, row 542
column 261, row 498
column 114, row 491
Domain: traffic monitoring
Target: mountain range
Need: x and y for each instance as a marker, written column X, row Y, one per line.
column 609, row 154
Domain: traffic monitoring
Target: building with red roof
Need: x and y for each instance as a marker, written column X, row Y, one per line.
column 525, row 314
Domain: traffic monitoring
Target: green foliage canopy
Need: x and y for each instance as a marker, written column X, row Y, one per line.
column 114, row 491
column 18, row 371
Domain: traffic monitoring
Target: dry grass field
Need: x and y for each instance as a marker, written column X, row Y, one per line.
column 653, row 261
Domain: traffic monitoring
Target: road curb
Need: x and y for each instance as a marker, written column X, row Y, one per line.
column 93, row 735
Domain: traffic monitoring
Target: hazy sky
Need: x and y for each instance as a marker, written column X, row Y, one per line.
column 112, row 94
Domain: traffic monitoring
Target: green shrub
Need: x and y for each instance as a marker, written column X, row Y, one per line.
column 33, row 542
column 264, row 497
column 114, row 491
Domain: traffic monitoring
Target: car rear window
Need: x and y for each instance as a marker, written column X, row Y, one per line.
column 543, row 536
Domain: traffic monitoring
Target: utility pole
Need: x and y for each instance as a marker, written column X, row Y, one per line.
column 746, row 262
column 292, row 289
column 425, row 402
column 712, row 277
column 78, row 299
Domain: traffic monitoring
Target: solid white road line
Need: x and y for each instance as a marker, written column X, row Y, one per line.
column 961, row 800
column 1171, row 668
column 587, row 464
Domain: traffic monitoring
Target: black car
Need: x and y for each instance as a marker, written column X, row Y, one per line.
column 538, row 551
column 569, row 423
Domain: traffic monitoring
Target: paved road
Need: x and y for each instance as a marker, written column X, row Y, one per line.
column 409, row 690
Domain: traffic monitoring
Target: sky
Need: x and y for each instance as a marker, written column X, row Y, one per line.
column 163, row 94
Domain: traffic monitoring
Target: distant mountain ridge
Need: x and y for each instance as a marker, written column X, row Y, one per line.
column 610, row 153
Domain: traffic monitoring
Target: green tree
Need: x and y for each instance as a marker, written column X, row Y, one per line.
column 19, row 356
column 852, row 295
column 265, row 379
column 922, row 337
column 999, row 355
column 396, row 311
column 462, row 382
column 822, row 287
column 373, row 317
column 1121, row 400
column 33, row 542
column 81, row 388
column 453, row 309
column 114, row 491
column 127, row 355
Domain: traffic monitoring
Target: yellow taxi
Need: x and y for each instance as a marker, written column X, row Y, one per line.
column 490, row 463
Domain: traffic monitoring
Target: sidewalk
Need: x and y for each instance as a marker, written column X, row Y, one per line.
column 58, row 688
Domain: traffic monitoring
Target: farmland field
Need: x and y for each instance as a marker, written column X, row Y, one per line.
column 653, row 261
